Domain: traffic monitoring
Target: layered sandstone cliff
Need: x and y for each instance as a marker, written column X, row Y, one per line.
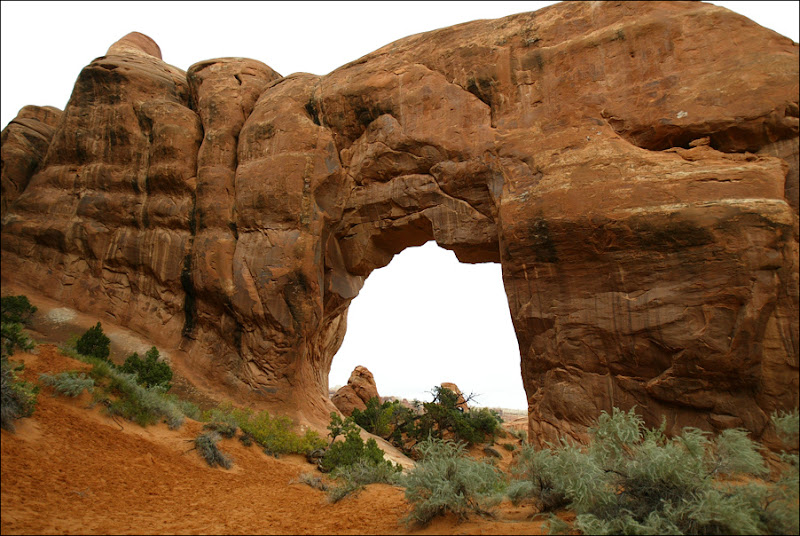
column 632, row 166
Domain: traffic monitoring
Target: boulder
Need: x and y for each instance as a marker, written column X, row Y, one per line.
column 359, row 390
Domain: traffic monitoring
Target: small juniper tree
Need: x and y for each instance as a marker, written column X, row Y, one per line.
column 13, row 338
column 16, row 309
column 149, row 371
column 94, row 343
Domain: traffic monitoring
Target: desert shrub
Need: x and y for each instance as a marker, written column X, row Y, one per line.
column 446, row 480
column 18, row 397
column 310, row 479
column 509, row 447
column 443, row 415
column 275, row 434
column 779, row 504
column 149, row 371
column 485, row 424
column 16, row 309
column 376, row 418
column 521, row 435
column 536, row 477
column 187, row 407
column 225, row 429
column 634, row 480
column 139, row 404
column 355, row 476
column 206, row 445
column 68, row 383
column 123, row 396
column 352, row 450
column 94, row 343
column 12, row 338
column 788, row 427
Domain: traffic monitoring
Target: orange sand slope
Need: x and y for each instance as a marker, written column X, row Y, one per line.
column 69, row 469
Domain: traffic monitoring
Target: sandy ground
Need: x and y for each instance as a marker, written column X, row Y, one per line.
column 70, row 469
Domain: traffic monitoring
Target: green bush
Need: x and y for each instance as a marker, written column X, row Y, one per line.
column 355, row 476
column 68, row 383
column 443, row 415
column 150, row 372
column 225, row 429
column 446, row 480
column 206, row 445
column 352, row 449
column 12, row 338
column 376, row 418
column 124, row 397
column 18, row 397
column 142, row 405
column 275, row 434
column 634, row 480
column 94, row 343
column 16, row 309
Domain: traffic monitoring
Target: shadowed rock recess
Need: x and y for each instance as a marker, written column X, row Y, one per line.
column 632, row 166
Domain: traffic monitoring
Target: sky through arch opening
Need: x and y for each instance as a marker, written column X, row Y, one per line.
column 425, row 319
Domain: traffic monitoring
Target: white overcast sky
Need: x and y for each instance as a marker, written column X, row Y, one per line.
column 425, row 318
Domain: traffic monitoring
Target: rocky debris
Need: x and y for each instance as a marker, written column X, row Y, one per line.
column 631, row 167
column 359, row 390
column 460, row 402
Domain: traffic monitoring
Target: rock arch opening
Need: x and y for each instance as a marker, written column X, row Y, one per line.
column 426, row 319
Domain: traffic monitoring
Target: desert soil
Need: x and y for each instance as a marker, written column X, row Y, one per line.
column 70, row 469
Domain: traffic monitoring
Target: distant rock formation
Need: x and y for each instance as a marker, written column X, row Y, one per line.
column 358, row 391
column 632, row 167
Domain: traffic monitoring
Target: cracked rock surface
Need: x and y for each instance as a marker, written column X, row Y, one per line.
column 633, row 166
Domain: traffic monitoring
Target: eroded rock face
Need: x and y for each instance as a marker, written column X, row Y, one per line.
column 23, row 146
column 359, row 390
column 632, row 169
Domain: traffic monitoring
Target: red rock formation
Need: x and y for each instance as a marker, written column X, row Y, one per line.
column 22, row 148
column 359, row 390
column 631, row 165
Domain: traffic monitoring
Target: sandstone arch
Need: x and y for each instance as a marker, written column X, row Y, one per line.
column 614, row 158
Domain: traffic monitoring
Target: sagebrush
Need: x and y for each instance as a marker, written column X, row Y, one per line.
column 447, row 480
column 633, row 480
column 69, row 383
column 206, row 446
